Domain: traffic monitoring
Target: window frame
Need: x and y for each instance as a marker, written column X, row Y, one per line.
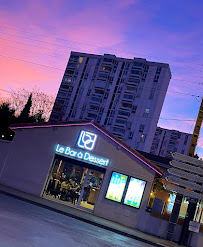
column 125, row 190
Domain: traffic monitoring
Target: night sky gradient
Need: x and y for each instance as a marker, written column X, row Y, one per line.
column 36, row 38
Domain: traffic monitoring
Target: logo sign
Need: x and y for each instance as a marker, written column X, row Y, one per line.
column 85, row 156
column 86, row 140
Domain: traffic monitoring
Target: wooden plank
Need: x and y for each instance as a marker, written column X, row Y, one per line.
column 187, row 184
column 184, row 192
column 186, row 175
column 187, row 167
column 188, row 159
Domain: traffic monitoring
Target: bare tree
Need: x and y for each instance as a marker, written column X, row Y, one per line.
column 41, row 102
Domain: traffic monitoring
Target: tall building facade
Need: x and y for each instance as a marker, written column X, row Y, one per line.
column 167, row 141
column 123, row 95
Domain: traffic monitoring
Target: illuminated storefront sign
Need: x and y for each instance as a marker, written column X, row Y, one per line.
column 78, row 155
column 116, row 187
column 134, row 192
column 86, row 140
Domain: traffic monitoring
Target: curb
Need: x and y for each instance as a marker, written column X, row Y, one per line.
column 83, row 219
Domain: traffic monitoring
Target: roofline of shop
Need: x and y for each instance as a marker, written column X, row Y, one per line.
column 98, row 127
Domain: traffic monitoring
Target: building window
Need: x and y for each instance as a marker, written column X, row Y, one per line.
column 146, row 112
column 124, row 113
column 151, row 96
column 144, row 76
column 156, row 78
column 72, row 65
column 137, row 64
column 129, row 124
column 130, row 136
column 108, row 60
column 158, row 70
column 94, row 107
column 141, row 128
column 127, row 65
column 69, row 72
column 91, row 115
column 143, row 137
column 131, row 88
column 120, row 121
column 139, row 92
column 96, row 99
column 128, row 96
column 73, row 114
column 146, row 69
column 102, row 75
column 135, row 72
column 67, row 79
column 110, row 121
column 119, row 130
column 126, row 104
column 74, row 58
column 106, row 68
column 134, row 109
column 134, row 80
column 186, row 138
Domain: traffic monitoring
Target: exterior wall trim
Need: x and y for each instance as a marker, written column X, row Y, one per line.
column 92, row 124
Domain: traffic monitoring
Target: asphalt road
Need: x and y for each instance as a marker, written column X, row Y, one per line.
column 26, row 225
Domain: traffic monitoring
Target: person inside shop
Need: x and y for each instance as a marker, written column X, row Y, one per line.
column 75, row 193
column 64, row 189
column 67, row 189
column 87, row 192
column 54, row 186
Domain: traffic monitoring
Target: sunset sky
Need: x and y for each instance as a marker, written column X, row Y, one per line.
column 36, row 37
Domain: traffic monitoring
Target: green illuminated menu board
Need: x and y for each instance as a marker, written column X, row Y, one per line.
column 134, row 192
column 116, row 187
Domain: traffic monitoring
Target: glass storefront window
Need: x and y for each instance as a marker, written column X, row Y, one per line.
column 73, row 183
column 170, row 203
column 126, row 190
column 66, row 181
column 91, row 189
column 183, row 208
column 134, row 192
column 116, row 187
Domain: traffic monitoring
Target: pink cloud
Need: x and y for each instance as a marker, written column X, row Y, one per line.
column 126, row 3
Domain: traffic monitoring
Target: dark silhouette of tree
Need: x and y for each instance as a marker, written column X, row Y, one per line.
column 24, row 116
column 38, row 117
column 7, row 116
column 41, row 101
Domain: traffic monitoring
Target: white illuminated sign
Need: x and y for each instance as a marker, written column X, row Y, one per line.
column 116, row 187
column 134, row 192
column 86, row 140
column 74, row 154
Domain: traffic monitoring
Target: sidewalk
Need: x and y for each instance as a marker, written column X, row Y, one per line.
column 86, row 217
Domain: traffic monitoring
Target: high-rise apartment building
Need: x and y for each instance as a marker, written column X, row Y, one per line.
column 168, row 141
column 123, row 95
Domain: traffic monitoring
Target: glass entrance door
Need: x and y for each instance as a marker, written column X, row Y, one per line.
column 72, row 183
column 90, row 189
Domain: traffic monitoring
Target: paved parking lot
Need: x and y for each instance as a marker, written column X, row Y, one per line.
column 26, row 225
